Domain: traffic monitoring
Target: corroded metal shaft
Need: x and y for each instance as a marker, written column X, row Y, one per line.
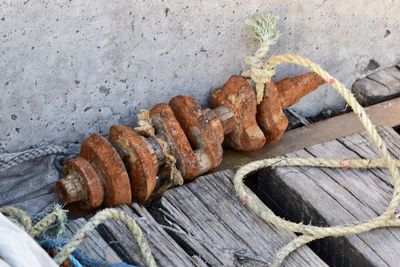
column 132, row 167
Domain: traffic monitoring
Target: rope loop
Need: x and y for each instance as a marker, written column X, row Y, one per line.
column 309, row 233
column 99, row 218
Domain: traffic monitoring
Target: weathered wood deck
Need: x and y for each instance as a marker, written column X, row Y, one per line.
column 204, row 224
column 337, row 196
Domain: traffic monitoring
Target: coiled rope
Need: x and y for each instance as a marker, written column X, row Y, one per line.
column 309, row 232
column 58, row 216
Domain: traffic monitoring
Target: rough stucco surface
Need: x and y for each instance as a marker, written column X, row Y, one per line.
column 69, row 68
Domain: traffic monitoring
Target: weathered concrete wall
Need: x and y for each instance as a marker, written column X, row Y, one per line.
column 71, row 67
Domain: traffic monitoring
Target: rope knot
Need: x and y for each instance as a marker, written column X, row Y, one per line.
column 265, row 32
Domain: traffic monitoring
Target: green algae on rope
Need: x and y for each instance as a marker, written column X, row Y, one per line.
column 266, row 33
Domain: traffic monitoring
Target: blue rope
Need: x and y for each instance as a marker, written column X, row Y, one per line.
column 77, row 258
column 86, row 261
column 57, row 244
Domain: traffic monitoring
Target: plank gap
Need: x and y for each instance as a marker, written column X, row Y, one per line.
column 160, row 215
column 94, row 246
column 321, row 196
column 286, row 203
column 397, row 129
column 116, row 245
column 209, row 223
column 165, row 250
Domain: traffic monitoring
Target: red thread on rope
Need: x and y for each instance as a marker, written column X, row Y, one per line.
column 345, row 164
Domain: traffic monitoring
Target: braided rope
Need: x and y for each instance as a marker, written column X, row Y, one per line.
column 18, row 217
column 310, row 233
column 12, row 159
column 265, row 32
column 58, row 216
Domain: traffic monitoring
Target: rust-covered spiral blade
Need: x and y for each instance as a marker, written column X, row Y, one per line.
column 168, row 128
column 140, row 161
column 238, row 96
column 110, row 168
column 270, row 115
column 207, row 146
column 279, row 95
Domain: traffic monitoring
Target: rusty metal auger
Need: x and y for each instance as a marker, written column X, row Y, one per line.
column 130, row 166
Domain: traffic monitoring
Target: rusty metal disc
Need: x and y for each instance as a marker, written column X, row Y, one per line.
column 140, row 161
column 89, row 180
column 110, row 168
column 168, row 128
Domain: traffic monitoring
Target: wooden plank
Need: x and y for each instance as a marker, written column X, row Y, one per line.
column 209, row 221
column 382, row 114
column 377, row 87
column 368, row 91
column 393, row 71
column 165, row 250
column 383, row 77
column 94, row 246
column 337, row 196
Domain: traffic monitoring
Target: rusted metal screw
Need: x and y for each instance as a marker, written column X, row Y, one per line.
column 222, row 121
column 129, row 166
